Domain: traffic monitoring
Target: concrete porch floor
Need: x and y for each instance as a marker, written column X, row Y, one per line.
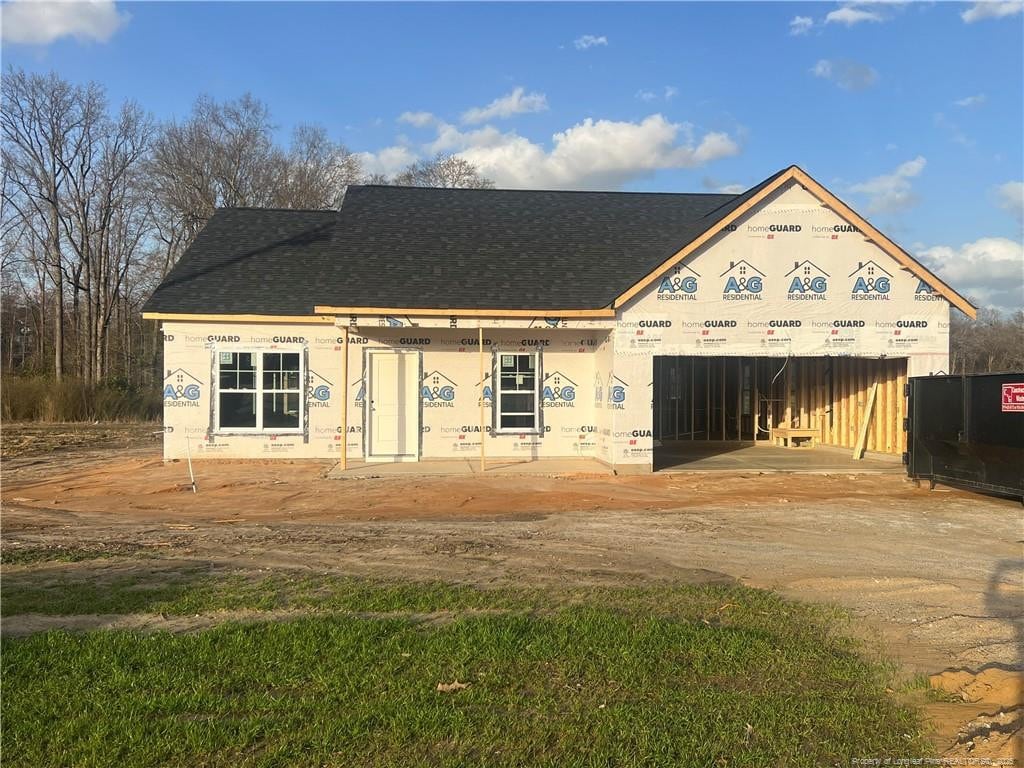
column 433, row 467
column 671, row 456
column 702, row 456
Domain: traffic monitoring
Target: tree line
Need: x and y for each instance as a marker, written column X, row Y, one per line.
column 99, row 201
column 992, row 343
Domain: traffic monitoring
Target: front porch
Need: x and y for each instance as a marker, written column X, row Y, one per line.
column 359, row 470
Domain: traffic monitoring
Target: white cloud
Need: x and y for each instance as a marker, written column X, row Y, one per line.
column 971, row 101
column 849, row 75
column 989, row 270
column 800, row 25
column 418, row 119
column 593, row 154
column 1011, row 198
column 597, row 154
column 40, row 22
column 991, row 10
column 850, row 15
column 388, row 161
column 712, row 185
column 516, row 103
column 451, row 138
column 668, row 93
column 891, row 192
column 589, row 41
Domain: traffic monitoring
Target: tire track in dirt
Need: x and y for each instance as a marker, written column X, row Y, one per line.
column 934, row 578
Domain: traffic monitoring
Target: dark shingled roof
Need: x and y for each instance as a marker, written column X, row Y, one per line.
column 416, row 248
column 248, row 261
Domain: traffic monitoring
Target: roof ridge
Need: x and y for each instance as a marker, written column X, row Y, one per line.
column 748, row 192
column 551, row 191
column 273, row 208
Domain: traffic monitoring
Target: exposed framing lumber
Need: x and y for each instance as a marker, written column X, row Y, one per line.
column 901, row 407
column 707, row 398
column 892, row 425
column 858, row 449
column 739, row 398
column 606, row 312
column 827, row 407
column 852, row 403
column 755, row 402
column 787, row 413
column 862, row 401
column 805, row 393
column 722, row 409
column 859, row 401
column 876, row 439
column 277, row 319
column 693, row 396
column 861, row 394
column 819, row 399
column 844, row 401
column 884, row 400
column 884, row 423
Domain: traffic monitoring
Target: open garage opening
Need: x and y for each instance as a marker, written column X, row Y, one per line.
column 778, row 413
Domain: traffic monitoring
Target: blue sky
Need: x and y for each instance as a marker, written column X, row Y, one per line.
column 912, row 112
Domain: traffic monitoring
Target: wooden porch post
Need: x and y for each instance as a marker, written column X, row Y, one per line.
column 483, row 433
column 344, row 397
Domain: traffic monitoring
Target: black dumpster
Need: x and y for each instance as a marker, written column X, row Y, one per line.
column 968, row 431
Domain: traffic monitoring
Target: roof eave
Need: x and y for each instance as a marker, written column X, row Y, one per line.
column 477, row 312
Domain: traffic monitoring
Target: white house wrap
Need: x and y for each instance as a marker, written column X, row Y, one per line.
column 780, row 307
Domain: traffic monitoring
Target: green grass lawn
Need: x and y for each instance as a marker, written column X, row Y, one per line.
column 664, row 675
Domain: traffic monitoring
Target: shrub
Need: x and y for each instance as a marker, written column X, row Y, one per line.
column 41, row 398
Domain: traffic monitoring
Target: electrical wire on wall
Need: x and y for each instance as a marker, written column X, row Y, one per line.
column 757, row 417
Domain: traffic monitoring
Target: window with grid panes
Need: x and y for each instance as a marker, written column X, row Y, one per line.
column 259, row 391
column 517, row 392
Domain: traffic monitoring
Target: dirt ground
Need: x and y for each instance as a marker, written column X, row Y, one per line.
column 39, row 439
column 936, row 577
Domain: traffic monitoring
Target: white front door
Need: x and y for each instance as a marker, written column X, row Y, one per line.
column 393, row 423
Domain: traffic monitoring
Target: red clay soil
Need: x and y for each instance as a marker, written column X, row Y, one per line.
column 935, row 576
column 148, row 488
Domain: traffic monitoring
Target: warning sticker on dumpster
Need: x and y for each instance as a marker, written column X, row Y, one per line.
column 1013, row 398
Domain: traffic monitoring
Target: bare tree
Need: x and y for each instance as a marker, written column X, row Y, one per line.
column 447, row 171
column 40, row 119
column 122, row 222
column 72, row 201
column 224, row 155
column 317, row 172
column 992, row 343
column 75, row 214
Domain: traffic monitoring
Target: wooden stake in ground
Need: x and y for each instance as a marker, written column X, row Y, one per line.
column 188, row 453
column 858, row 450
